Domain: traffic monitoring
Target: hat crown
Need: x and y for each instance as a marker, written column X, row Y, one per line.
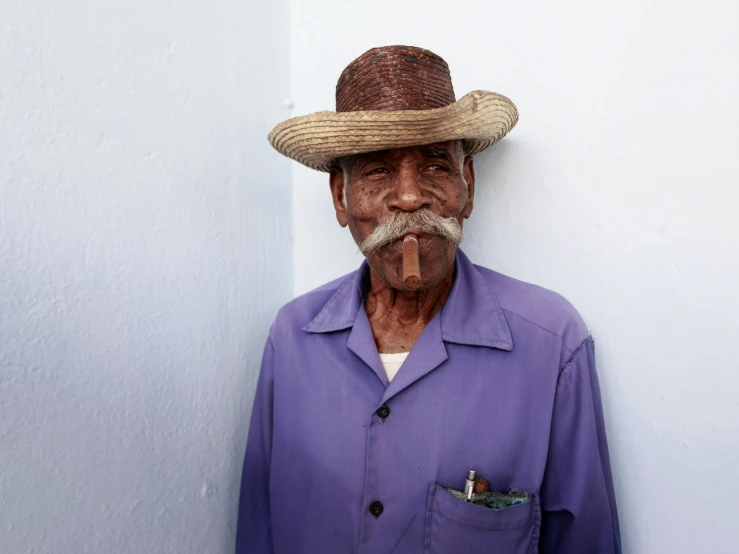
column 395, row 78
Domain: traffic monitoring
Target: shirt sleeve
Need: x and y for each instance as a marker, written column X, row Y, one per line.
column 254, row 527
column 578, row 503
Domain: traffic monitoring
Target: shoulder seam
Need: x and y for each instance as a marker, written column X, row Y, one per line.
column 574, row 354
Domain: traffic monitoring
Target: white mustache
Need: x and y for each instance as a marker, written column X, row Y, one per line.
column 399, row 224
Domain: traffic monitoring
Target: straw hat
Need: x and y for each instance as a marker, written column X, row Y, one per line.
column 393, row 97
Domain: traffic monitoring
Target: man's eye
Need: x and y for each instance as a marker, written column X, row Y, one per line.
column 438, row 167
column 377, row 171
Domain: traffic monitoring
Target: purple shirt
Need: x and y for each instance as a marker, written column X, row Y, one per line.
column 502, row 381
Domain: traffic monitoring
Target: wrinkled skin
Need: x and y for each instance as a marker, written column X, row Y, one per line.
column 405, row 179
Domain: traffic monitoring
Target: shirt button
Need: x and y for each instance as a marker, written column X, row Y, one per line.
column 376, row 508
column 383, row 411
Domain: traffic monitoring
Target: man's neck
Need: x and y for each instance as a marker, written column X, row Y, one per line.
column 398, row 317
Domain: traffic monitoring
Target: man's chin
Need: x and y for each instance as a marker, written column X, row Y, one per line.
column 387, row 262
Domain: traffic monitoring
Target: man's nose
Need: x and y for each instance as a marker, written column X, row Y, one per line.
column 407, row 194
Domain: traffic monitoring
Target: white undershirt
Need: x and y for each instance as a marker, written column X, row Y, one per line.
column 392, row 363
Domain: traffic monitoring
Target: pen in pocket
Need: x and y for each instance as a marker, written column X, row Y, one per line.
column 469, row 485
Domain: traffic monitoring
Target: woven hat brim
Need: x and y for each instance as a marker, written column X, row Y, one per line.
column 480, row 118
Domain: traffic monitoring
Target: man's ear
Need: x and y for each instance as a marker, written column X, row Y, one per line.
column 469, row 176
column 336, row 182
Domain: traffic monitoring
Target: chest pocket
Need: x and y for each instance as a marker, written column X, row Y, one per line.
column 454, row 526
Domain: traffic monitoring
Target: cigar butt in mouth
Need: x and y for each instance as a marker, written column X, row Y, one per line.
column 411, row 269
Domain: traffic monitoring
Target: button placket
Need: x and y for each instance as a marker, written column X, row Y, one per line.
column 375, row 435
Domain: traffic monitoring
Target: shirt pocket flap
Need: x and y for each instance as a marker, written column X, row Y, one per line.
column 471, row 515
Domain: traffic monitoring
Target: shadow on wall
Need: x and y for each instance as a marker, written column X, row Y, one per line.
column 495, row 176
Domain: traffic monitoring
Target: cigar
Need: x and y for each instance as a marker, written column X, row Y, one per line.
column 411, row 269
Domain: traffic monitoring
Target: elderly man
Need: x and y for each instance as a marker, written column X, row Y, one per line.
column 421, row 403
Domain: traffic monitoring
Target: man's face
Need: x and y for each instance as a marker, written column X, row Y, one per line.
column 401, row 185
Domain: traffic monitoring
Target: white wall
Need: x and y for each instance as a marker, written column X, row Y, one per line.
column 144, row 249
column 618, row 188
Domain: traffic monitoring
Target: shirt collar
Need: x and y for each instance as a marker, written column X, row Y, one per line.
column 471, row 314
